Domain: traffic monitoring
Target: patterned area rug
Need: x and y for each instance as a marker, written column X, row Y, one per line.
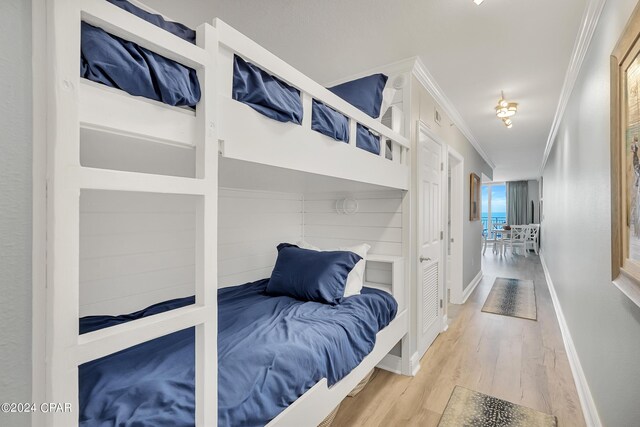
column 469, row 408
column 512, row 297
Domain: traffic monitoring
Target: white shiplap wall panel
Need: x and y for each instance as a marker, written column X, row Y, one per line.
column 250, row 226
column 377, row 222
column 354, row 232
column 372, row 219
column 136, row 249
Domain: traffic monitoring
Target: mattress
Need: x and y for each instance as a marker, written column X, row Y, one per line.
column 115, row 62
column 271, row 350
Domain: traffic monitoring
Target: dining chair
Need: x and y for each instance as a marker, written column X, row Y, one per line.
column 532, row 240
column 517, row 239
column 490, row 237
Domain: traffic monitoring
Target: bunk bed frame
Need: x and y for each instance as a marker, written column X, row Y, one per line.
column 219, row 126
column 246, row 135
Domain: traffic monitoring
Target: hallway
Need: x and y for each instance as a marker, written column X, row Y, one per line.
column 518, row 360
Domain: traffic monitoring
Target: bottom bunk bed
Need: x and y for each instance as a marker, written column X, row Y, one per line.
column 274, row 353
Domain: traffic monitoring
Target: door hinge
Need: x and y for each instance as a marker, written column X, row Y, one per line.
column 441, row 166
column 440, row 303
column 441, row 235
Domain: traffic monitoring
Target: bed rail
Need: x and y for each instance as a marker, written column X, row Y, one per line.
column 316, row 403
column 232, row 131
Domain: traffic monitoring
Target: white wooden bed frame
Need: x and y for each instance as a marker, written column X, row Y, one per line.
column 218, row 126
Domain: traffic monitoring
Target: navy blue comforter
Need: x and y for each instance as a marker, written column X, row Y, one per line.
column 119, row 63
column 270, row 351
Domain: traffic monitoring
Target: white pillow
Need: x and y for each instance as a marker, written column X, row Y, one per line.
column 355, row 279
column 388, row 95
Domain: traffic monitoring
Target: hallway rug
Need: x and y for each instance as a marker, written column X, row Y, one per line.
column 470, row 408
column 512, row 297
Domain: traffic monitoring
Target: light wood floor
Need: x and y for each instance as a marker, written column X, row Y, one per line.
column 522, row 361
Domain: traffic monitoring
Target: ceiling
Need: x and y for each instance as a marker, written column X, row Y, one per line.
column 520, row 46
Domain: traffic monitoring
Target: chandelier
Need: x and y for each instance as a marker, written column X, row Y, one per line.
column 505, row 110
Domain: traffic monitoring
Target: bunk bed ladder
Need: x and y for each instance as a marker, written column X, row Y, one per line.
column 65, row 349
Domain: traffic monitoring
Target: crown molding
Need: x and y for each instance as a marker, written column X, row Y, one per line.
column 425, row 78
column 416, row 67
column 580, row 48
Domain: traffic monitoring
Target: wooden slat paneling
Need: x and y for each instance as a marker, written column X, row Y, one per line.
column 136, row 249
column 250, row 226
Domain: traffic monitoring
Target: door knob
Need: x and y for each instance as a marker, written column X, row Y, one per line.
column 423, row 259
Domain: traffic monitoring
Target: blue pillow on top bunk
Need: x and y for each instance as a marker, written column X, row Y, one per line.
column 122, row 64
column 265, row 93
column 310, row 275
column 175, row 28
column 365, row 93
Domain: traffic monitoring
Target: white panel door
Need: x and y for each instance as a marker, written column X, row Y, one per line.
column 430, row 235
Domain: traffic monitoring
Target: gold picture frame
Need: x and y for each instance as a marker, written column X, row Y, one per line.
column 474, row 197
column 625, row 152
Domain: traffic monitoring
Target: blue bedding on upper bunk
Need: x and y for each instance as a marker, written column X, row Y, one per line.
column 265, row 93
column 270, row 351
column 122, row 64
column 280, row 101
column 333, row 124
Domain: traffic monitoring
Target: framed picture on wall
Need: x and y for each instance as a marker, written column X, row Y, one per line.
column 474, row 198
column 625, row 159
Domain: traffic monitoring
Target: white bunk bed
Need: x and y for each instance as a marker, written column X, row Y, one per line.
column 219, row 130
column 247, row 135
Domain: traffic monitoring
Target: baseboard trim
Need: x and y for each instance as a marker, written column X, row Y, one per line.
column 472, row 286
column 391, row 363
column 589, row 409
column 415, row 364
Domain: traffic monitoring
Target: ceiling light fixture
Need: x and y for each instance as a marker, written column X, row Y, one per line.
column 478, row 2
column 505, row 110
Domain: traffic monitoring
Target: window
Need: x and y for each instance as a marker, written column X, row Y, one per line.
column 494, row 205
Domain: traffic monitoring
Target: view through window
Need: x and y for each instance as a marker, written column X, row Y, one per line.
column 494, row 206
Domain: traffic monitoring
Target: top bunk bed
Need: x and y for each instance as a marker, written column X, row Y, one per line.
column 301, row 127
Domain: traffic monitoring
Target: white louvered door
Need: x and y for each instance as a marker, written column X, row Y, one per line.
column 430, row 235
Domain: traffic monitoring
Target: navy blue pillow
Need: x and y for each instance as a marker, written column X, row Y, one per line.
column 115, row 62
column 265, row 93
column 364, row 93
column 309, row 275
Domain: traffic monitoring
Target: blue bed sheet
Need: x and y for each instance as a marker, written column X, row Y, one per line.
column 335, row 125
column 265, row 93
column 277, row 100
column 367, row 140
column 270, row 351
column 122, row 64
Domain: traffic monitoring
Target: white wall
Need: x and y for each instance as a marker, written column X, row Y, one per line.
column 576, row 232
column 188, row 12
column 15, row 205
column 251, row 224
column 136, row 249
